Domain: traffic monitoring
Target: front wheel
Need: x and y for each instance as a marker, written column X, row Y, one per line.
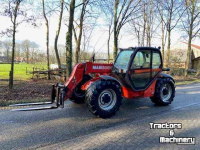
column 164, row 92
column 103, row 98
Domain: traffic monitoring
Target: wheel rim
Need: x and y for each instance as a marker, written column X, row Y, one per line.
column 166, row 92
column 107, row 99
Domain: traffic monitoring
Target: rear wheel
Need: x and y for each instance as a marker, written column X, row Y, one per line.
column 164, row 92
column 103, row 98
column 78, row 96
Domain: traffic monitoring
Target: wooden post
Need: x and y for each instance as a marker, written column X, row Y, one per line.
column 33, row 73
column 10, row 80
column 37, row 75
column 49, row 74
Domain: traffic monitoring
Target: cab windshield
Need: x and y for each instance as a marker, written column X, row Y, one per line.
column 123, row 60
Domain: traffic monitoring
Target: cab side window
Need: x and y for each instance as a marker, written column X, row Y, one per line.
column 156, row 61
column 141, row 60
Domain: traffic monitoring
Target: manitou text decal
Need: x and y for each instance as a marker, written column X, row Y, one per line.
column 101, row 67
column 172, row 139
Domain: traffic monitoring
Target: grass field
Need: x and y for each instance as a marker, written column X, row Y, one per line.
column 19, row 70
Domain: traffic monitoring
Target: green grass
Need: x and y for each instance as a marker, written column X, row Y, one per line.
column 19, row 70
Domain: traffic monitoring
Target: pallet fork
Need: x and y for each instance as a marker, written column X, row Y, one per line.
column 57, row 100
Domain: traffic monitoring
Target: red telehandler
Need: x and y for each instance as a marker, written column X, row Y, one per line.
column 136, row 73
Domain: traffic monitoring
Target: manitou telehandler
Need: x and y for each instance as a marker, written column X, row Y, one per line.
column 136, row 73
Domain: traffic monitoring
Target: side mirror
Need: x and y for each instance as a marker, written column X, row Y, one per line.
column 165, row 69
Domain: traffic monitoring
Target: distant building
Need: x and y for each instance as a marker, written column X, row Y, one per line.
column 19, row 59
column 178, row 55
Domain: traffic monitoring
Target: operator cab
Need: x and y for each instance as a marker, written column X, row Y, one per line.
column 138, row 67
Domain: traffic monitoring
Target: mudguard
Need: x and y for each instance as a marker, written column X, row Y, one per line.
column 106, row 77
column 102, row 77
column 163, row 75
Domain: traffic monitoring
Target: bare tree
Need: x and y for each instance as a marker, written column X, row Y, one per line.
column 47, row 37
column 29, row 50
column 150, row 18
column 69, row 39
column 149, row 23
column 34, row 49
column 170, row 12
column 138, row 25
column 107, row 7
column 13, row 42
column 145, row 25
column 58, row 32
column 160, row 17
column 191, row 25
column 7, row 45
column 87, row 36
column 144, row 22
column 80, row 27
column 123, row 13
column 12, row 11
column 52, row 55
column 17, row 15
column 62, row 52
column 136, row 29
column 26, row 49
column 163, row 33
column 18, row 50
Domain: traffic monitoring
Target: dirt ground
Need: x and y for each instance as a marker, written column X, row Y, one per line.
column 26, row 90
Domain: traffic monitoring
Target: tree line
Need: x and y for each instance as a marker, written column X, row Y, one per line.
column 27, row 51
column 144, row 19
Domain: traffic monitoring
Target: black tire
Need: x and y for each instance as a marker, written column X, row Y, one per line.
column 96, row 96
column 158, row 98
column 78, row 96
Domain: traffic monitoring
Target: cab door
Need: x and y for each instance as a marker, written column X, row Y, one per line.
column 144, row 68
column 140, row 69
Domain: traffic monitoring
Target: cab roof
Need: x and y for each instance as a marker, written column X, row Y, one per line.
column 140, row 48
